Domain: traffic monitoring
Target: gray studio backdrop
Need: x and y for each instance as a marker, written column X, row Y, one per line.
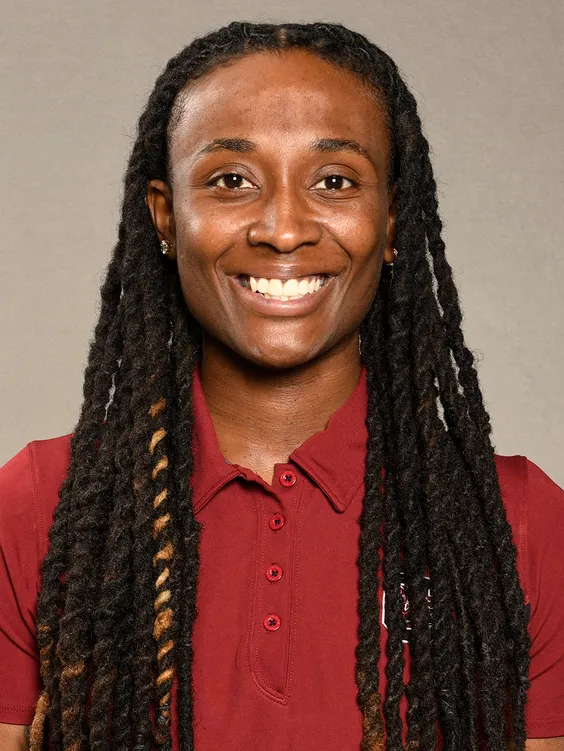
column 488, row 77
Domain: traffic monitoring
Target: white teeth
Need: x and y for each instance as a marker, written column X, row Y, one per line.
column 275, row 287
column 292, row 289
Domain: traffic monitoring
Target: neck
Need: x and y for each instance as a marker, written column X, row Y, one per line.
column 261, row 415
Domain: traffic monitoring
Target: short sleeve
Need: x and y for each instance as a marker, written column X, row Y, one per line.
column 19, row 665
column 545, row 574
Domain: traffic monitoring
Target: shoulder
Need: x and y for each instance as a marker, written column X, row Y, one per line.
column 534, row 505
column 29, row 492
column 535, row 510
column 529, row 495
column 44, row 459
column 532, row 500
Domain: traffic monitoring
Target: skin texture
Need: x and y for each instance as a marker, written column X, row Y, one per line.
column 282, row 221
column 13, row 737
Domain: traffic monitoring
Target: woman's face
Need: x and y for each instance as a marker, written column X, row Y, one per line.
column 279, row 177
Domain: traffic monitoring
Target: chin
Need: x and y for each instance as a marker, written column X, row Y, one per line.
column 280, row 358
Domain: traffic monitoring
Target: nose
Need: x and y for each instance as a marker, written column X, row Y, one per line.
column 285, row 222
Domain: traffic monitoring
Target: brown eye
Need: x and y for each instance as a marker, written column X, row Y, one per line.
column 335, row 183
column 231, row 181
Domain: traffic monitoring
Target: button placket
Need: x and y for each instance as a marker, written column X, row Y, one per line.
column 273, row 573
column 287, row 478
column 273, row 634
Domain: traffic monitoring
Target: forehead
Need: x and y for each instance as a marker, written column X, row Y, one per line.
column 278, row 97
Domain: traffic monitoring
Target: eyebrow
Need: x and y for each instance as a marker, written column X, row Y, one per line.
column 322, row 145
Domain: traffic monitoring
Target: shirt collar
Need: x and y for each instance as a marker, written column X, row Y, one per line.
column 334, row 458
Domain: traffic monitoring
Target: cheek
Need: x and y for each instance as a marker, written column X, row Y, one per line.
column 363, row 223
column 194, row 230
column 202, row 236
column 196, row 236
column 364, row 236
column 365, row 240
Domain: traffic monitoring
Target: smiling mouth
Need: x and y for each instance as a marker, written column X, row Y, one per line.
column 276, row 289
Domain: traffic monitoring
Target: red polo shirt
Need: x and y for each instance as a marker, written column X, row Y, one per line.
column 275, row 635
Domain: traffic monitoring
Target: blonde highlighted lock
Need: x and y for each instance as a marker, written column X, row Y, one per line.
column 164, row 619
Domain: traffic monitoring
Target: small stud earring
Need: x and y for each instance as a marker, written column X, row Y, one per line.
column 395, row 257
column 165, row 247
column 390, row 268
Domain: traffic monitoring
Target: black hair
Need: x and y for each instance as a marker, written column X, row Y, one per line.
column 118, row 598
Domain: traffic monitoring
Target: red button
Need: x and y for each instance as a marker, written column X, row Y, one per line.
column 274, row 573
column 277, row 521
column 288, row 478
column 272, row 622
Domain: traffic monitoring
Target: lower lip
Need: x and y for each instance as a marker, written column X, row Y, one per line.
column 283, row 308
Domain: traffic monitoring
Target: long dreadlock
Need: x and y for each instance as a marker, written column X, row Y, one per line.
column 118, row 599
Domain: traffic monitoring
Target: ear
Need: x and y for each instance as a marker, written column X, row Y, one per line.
column 389, row 256
column 159, row 201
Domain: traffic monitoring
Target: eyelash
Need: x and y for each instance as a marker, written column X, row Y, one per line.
column 213, row 182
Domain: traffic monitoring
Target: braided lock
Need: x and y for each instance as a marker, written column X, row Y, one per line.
column 162, row 631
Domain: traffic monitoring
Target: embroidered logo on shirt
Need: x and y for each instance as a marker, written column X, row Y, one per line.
column 405, row 606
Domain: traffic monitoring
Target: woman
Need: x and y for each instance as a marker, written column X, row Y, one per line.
column 281, row 501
